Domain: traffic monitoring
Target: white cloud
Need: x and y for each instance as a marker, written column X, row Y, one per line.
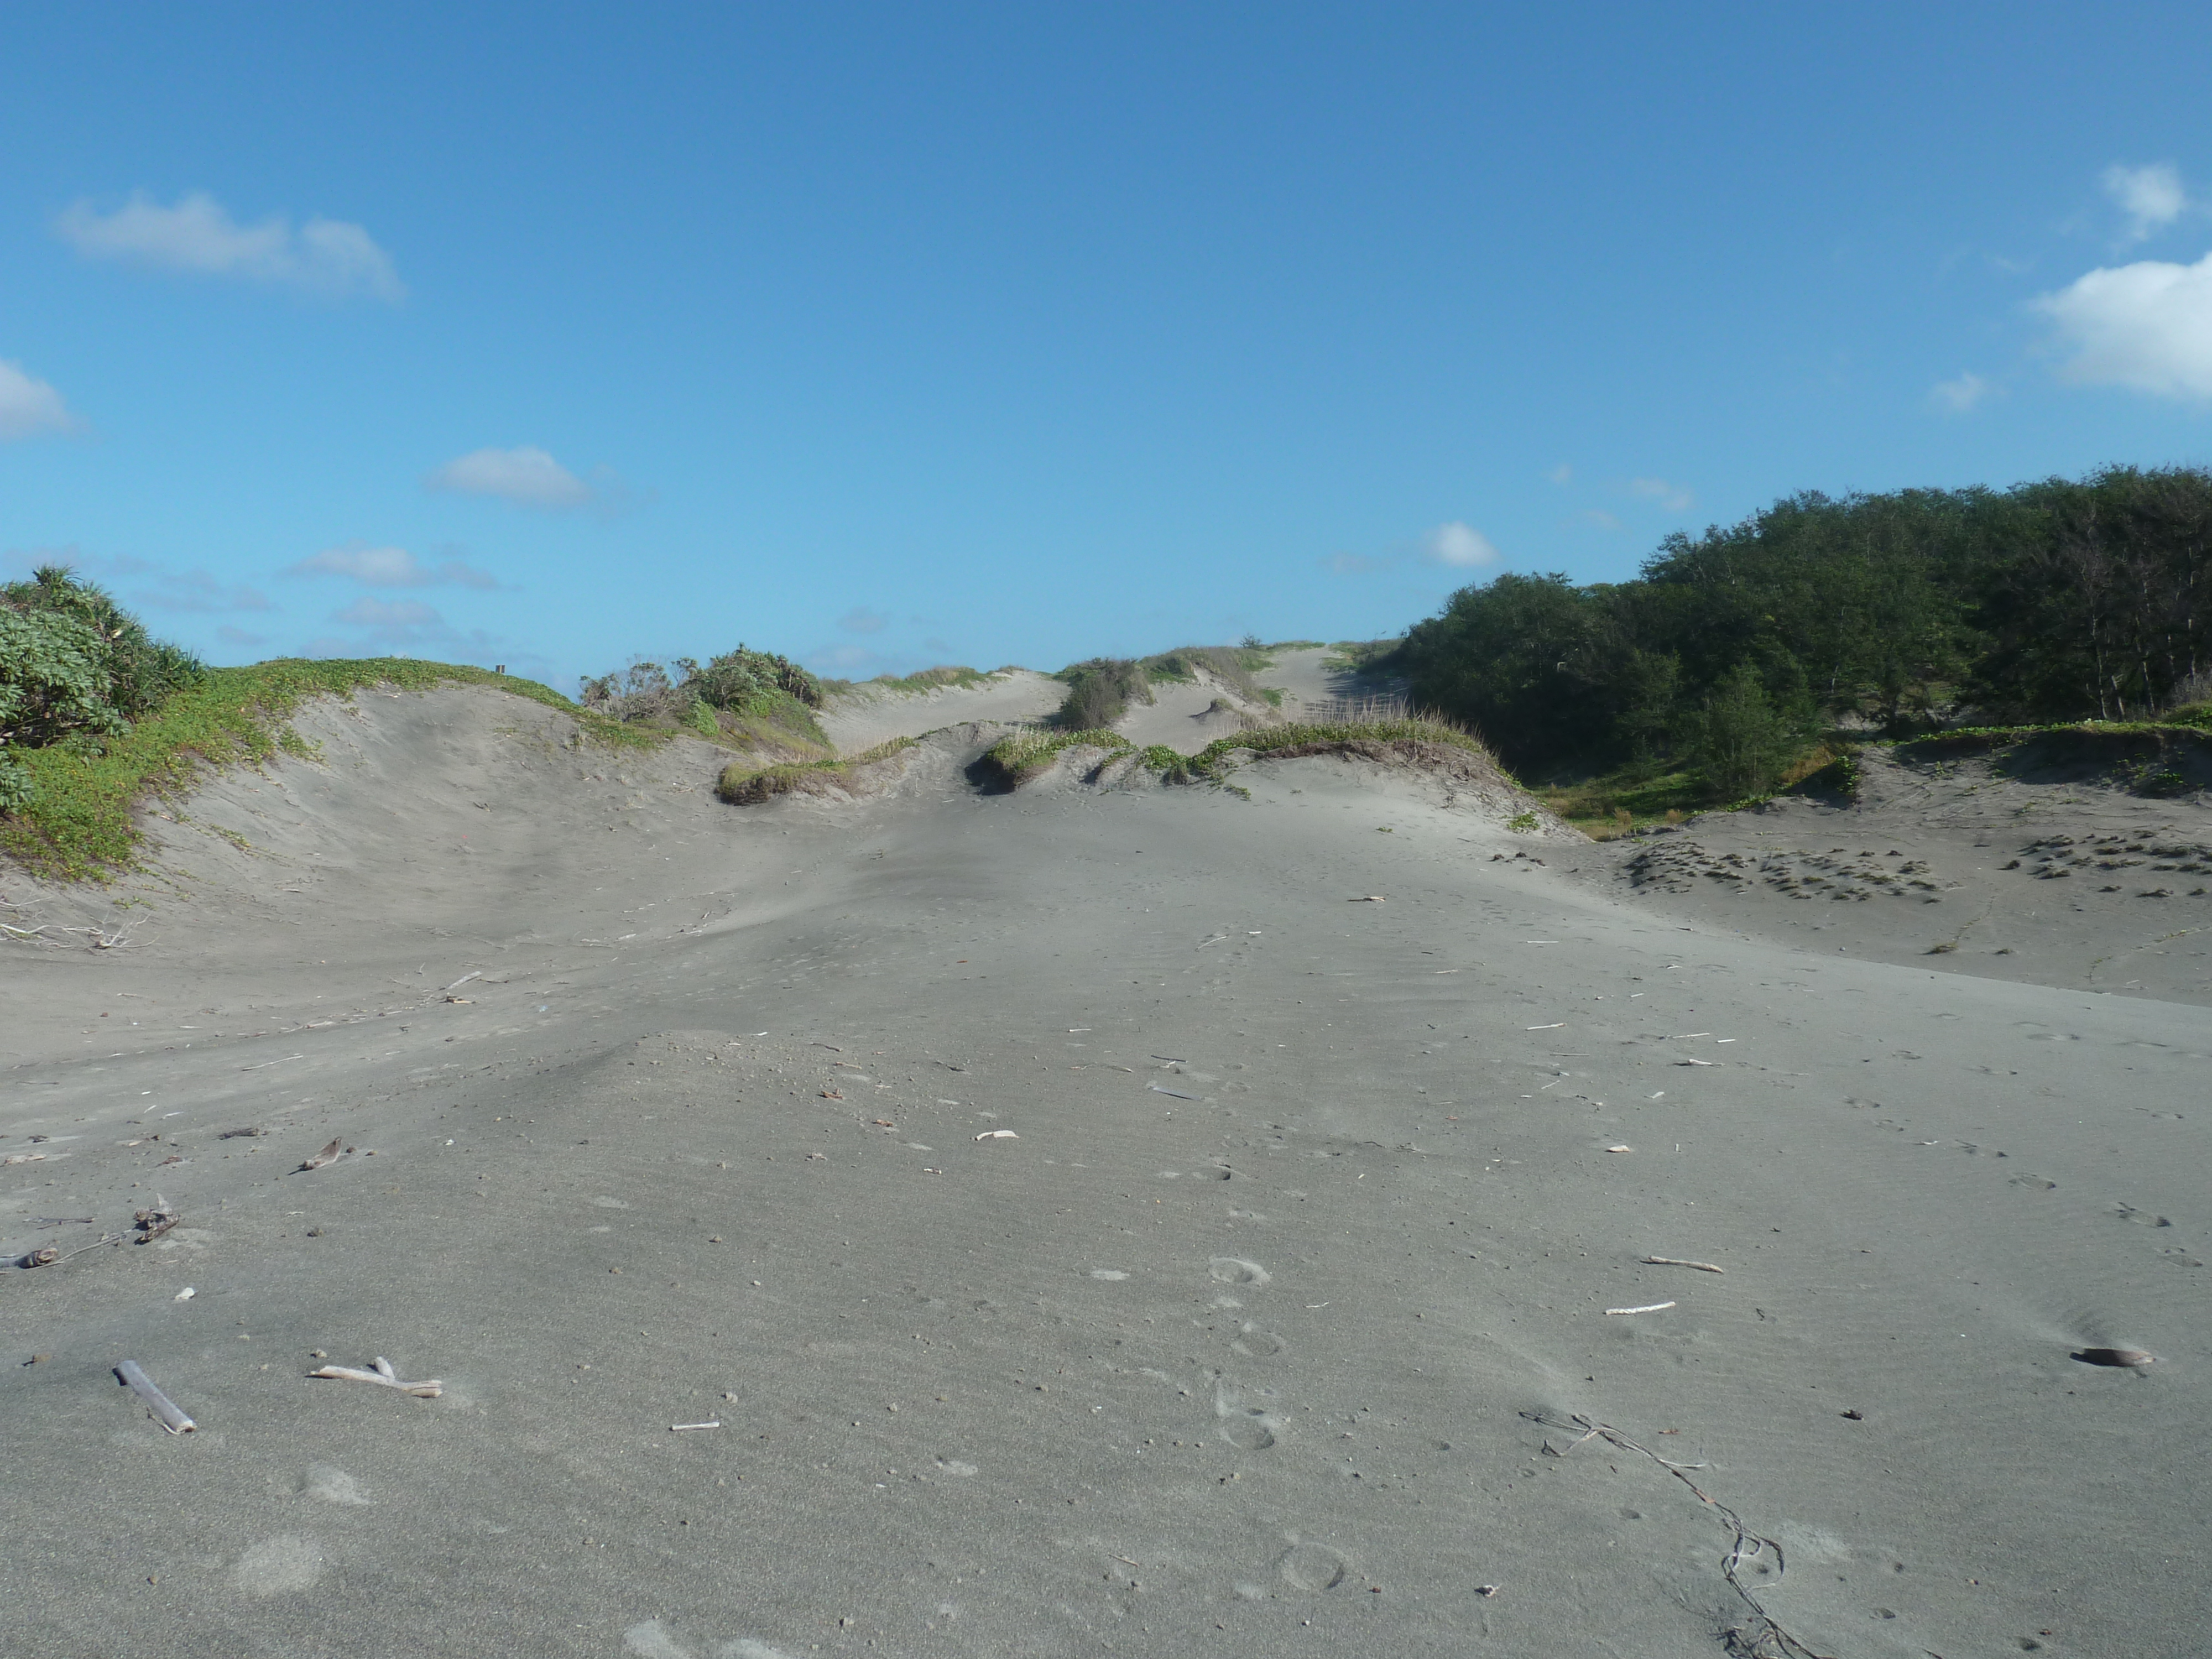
column 28, row 406
column 1962, row 394
column 388, row 567
column 861, row 620
column 326, row 257
column 526, row 476
column 1459, row 545
column 1600, row 519
column 2147, row 326
column 1673, row 498
column 1561, row 474
column 2151, row 197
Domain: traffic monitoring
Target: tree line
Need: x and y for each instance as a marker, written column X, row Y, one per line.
column 1735, row 650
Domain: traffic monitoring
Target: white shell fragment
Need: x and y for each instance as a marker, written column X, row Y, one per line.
column 998, row 1134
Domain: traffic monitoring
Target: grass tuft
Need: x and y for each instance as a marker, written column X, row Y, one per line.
column 1030, row 752
column 79, row 822
column 745, row 785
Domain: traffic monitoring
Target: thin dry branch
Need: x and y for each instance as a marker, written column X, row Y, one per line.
column 1764, row 1639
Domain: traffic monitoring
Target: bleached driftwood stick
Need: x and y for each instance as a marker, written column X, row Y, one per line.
column 384, row 1374
column 163, row 1406
column 1677, row 1262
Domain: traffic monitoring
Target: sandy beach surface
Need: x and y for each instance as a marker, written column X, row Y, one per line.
column 1100, row 1220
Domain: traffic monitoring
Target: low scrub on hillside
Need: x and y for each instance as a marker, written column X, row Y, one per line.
column 746, row 698
column 929, row 679
column 1101, row 690
column 1022, row 755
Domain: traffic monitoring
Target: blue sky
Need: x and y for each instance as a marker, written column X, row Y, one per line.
column 898, row 334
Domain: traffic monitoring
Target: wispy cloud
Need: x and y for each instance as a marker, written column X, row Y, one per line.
column 144, row 583
column 1673, row 498
column 861, row 620
column 1458, row 545
column 1599, row 519
column 849, row 660
column 390, row 567
column 1560, row 474
column 230, row 635
column 1354, row 564
column 525, row 475
column 329, row 258
column 1962, row 394
column 2147, row 326
column 30, row 408
column 2152, row 196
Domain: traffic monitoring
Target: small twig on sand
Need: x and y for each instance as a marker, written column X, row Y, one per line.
column 1764, row 1639
column 383, row 1373
column 1649, row 1307
column 161, row 1406
column 1677, row 1262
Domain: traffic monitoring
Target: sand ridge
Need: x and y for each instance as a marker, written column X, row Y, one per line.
column 1254, row 1336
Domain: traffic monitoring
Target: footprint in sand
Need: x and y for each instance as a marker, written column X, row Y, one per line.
column 651, row 1640
column 1311, row 1567
column 1256, row 1344
column 2141, row 1218
column 279, row 1566
column 1247, row 1426
column 331, row 1484
column 1234, row 1270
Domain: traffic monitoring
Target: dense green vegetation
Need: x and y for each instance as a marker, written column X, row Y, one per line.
column 74, row 667
column 1736, row 654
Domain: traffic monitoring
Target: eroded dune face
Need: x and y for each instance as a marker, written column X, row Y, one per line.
column 1151, row 1221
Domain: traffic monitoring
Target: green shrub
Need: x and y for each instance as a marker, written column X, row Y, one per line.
column 1099, row 692
column 140, row 670
column 1740, row 739
column 74, row 668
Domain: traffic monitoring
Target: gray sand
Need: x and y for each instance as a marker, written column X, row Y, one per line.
column 1262, row 1334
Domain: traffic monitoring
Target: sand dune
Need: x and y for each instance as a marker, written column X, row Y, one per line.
column 860, row 720
column 1276, row 1324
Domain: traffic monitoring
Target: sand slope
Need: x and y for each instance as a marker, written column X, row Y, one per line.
column 861, row 718
column 1263, row 1334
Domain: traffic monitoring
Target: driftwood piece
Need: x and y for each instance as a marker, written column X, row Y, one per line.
column 163, row 1406
column 383, row 1373
column 1677, row 1262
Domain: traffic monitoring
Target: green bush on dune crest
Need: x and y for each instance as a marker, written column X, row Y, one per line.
column 743, row 698
column 77, row 821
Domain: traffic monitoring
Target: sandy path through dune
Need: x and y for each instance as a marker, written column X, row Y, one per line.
column 1256, row 1336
